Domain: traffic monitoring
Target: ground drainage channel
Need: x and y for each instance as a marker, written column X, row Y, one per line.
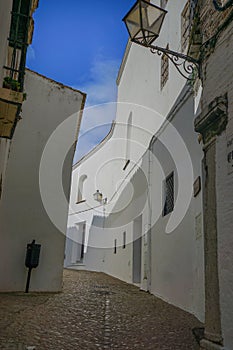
column 104, row 291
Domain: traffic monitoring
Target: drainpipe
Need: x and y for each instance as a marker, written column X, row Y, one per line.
column 149, row 248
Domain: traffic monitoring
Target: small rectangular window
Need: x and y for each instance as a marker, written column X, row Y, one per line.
column 124, row 240
column 164, row 69
column 169, row 194
column 115, row 246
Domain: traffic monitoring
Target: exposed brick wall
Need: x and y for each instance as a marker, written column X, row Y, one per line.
column 217, row 71
column 210, row 18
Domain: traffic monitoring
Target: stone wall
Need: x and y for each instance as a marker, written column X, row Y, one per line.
column 210, row 18
column 217, row 82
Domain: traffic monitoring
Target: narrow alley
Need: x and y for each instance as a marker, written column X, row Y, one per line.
column 94, row 311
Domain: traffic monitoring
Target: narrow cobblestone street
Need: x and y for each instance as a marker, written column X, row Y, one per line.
column 95, row 311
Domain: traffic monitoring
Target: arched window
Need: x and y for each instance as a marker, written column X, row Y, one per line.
column 80, row 197
column 128, row 139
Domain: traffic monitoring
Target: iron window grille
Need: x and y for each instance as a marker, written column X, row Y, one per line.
column 164, row 69
column 169, row 194
column 124, row 240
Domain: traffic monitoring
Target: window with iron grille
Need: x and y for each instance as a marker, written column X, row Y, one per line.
column 185, row 26
column 169, row 194
column 163, row 3
column 124, row 240
column 18, row 42
column 164, row 69
column 19, row 23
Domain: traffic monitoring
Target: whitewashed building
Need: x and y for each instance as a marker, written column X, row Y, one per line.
column 37, row 143
column 32, row 180
column 147, row 227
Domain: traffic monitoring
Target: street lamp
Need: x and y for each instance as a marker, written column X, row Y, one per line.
column 98, row 196
column 144, row 22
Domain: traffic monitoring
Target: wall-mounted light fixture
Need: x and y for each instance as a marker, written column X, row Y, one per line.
column 98, row 196
column 144, row 22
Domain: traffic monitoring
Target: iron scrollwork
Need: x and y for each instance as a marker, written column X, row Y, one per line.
column 187, row 66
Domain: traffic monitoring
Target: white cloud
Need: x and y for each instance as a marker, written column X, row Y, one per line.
column 100, row 106
column 31, row 55
column 102, row 86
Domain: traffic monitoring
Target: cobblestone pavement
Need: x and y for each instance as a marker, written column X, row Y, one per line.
column 95, row 311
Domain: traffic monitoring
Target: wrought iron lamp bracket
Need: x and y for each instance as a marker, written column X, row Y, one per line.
column 187, row 66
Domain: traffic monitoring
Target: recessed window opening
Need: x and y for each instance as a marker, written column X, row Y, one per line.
column 80, row 197
column 164, row 69
column 169, row 194
column 128, row 140
column 185, row 26
column 124, row 240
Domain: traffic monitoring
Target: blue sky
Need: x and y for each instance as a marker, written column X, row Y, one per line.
column 81, row 44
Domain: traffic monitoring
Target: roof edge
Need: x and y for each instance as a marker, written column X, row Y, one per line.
column 97, row 147
column 56, row 82
column 124, row 61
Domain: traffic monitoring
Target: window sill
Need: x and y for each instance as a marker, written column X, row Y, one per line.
column 82, row 201
column 164, row 214
column 126, row 164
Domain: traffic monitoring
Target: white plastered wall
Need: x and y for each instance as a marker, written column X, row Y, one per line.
column 22, row 213
column 139, row 94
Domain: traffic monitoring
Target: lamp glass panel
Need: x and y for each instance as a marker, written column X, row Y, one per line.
column 152, row 18
column 132, row 21
column 98, row 196
column 140, row 37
